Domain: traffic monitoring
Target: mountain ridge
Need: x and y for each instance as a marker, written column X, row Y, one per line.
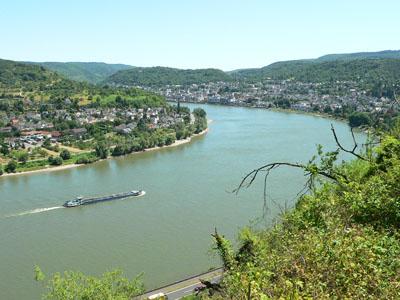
column 92, row 72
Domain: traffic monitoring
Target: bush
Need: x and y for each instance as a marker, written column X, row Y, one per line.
column 65, row 154
column 76, row 285
column 55, row 161
column 101, row 150
column 359, row 118
column 85, row 160
column 11, row 167
column 119, row 150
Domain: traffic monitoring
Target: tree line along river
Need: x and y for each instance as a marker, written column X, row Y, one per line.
column 166, row 233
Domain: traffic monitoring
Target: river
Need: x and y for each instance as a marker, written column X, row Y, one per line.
column 166, row 233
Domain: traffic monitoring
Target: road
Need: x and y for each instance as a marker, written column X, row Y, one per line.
column 185, row 287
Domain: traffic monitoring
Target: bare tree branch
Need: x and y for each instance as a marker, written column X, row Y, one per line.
column 353, row 151
column 250, row 177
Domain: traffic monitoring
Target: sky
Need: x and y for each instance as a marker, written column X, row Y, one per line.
column 224, row 34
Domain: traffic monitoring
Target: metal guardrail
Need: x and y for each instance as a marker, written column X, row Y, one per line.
column 180, row 281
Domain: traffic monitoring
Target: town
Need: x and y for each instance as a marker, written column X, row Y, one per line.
column 339, row 99
column 44, row 134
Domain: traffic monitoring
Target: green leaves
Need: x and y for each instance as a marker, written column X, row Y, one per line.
column 75, row 285
column 342, row 241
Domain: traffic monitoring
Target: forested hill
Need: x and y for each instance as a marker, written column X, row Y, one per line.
column 361, row 55
column 365, row 70
column 158, row 76
column 93, row 72
column 34, row 82
column 14, row 75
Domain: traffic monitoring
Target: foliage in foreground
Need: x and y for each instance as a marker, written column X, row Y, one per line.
column 340, row 242
column 76, row 285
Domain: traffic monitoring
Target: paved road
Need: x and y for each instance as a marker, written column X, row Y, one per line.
column 185, row 287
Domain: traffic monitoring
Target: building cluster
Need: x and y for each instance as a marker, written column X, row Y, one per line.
column 32, row 128
column 322, row 97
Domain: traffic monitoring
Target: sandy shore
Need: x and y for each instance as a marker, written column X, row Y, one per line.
column 65, row 167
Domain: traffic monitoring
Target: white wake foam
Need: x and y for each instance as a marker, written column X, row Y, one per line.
column 34, row 211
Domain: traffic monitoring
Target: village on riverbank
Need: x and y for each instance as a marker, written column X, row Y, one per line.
column 348, row 100
column 47, row 136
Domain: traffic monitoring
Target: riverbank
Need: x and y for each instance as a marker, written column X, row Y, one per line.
column 70, row 166
column 332, row 117
column 277, row 109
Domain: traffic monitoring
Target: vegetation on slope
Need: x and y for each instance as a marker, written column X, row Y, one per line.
column 159, row 76
column 361, row 55
column 340, row 242
column 14, row 74
column 364, row 70
column 92, row 72
column 75, row 285
column 36, row 83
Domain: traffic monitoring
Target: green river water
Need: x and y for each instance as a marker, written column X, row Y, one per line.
column 166, row 233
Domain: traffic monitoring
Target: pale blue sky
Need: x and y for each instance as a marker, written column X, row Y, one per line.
column 226, row 34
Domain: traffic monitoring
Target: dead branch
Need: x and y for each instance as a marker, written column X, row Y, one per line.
column 352, row 151
column 250, row 177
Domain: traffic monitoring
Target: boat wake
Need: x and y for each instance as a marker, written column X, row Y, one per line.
column 33, row 211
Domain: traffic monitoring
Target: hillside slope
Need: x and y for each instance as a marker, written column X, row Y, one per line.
column 22, row 81
column 157, row 76
column 361, row 55
column 340, row 242
column 367, row 70
column 93, row 72
column 14, row 74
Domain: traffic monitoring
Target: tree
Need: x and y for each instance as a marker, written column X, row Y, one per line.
column 199, row 113
column 101, row 150
column 65, row 154
column 1, row 170
column 119, row 150
column 76, row 285
column 357, row 119
column 169, row 140
column 4, row 149
column 55, row 161
column 11, row 166
column 22, row 156
column 46, row 143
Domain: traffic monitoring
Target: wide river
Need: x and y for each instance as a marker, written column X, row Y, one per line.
column 166, row 233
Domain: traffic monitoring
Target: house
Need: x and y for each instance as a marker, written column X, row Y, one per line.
column 55, row 134
column 5, row 130
column 78, row 132
column 125, row 128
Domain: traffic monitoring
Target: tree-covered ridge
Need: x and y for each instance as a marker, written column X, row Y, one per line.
column 361, row 55
column 158, row 76
column 92, row 72
column 36, row 83
column 340, row 242
column 14, row 74
column 360, row 70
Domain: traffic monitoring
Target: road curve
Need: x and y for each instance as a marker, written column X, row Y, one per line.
column 186, row 286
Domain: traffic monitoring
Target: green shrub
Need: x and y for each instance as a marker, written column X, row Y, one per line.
column 11, row 167
column 340, row 242
column 65, row 154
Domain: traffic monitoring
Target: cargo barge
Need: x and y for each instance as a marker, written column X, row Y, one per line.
column 85, row 201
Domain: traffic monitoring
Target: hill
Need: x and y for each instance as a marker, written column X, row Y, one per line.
column 157, row 76
column 14, row 75
column 93, row 72
column 361, row 55
column 364, row 70
column 35, row 82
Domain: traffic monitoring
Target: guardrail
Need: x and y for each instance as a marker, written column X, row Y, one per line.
column 180, row 281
